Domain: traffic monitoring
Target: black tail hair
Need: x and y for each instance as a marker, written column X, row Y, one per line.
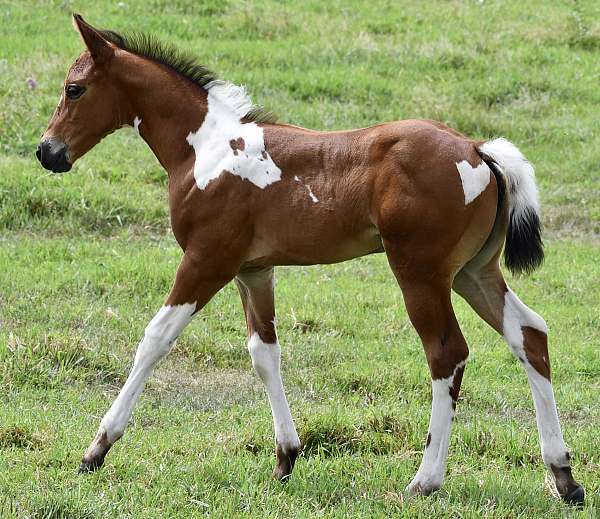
column 524, row 248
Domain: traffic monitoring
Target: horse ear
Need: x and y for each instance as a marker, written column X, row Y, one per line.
column 100, row 49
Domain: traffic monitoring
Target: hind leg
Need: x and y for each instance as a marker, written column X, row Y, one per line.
column 427, row 299
column 525, row 332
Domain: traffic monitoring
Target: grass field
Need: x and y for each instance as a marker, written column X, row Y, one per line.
column 87, row 258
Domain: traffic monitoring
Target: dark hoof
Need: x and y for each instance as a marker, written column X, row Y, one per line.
column 285, row 463
column 93, row 457
column 418, row 489
column 575, row 497
column 91, row 465
column 569, row 490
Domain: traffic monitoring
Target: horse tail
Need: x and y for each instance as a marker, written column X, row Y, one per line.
column 523, row 250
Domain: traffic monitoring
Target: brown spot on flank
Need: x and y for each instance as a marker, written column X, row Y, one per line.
column 428, row 440
column 263, row 154
column 237, row 144
column 535, row 344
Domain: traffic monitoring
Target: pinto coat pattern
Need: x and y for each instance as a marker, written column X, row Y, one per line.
column 247, row 193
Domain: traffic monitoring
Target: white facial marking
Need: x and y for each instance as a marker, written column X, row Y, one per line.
column 266, row 359
column 224, row 144
column 516, row 316
column 474, row 180
column 433, row 465
column 159, row 336
column 136, row 124
column 310, row 193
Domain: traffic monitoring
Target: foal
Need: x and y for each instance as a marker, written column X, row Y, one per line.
column 247, row 193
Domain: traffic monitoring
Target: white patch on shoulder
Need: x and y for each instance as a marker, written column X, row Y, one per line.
column 474, row 180
column 310, row 193
column 136, row 124
column 224, row 144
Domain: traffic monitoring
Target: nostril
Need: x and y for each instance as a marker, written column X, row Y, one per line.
column 38, row 152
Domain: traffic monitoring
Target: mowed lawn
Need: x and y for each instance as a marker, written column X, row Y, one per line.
column 87, row 258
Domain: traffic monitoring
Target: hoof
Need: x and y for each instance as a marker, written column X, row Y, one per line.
column 91, row 465
column 93, row 458
column 575, row 497
column 418, row 488
column 569, row 490
column 285, row 463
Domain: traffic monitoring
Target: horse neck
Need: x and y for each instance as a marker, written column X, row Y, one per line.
column 166, row 108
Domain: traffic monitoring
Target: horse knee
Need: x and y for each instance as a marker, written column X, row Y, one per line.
column 445, row 354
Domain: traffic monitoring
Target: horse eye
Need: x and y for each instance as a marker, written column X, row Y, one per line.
column 74, row 91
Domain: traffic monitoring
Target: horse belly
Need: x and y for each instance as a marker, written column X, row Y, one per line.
column 309, row 239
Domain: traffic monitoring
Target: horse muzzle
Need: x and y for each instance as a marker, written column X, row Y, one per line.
column 53, row 155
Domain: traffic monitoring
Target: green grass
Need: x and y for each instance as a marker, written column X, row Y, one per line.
column 87, row 258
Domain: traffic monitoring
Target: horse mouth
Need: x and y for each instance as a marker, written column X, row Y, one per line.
column 53, row 156
column 63, row 168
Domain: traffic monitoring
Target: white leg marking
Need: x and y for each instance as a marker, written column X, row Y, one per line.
column 430, row 475
column 516, row 316
column 266, row 359
column 474, row 180
column 159, row 335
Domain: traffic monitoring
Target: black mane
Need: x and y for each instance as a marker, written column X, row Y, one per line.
column 184, row 64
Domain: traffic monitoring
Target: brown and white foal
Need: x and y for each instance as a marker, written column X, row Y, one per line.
column 247, row 193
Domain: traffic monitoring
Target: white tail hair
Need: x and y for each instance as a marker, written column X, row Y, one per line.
column 524, row 249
